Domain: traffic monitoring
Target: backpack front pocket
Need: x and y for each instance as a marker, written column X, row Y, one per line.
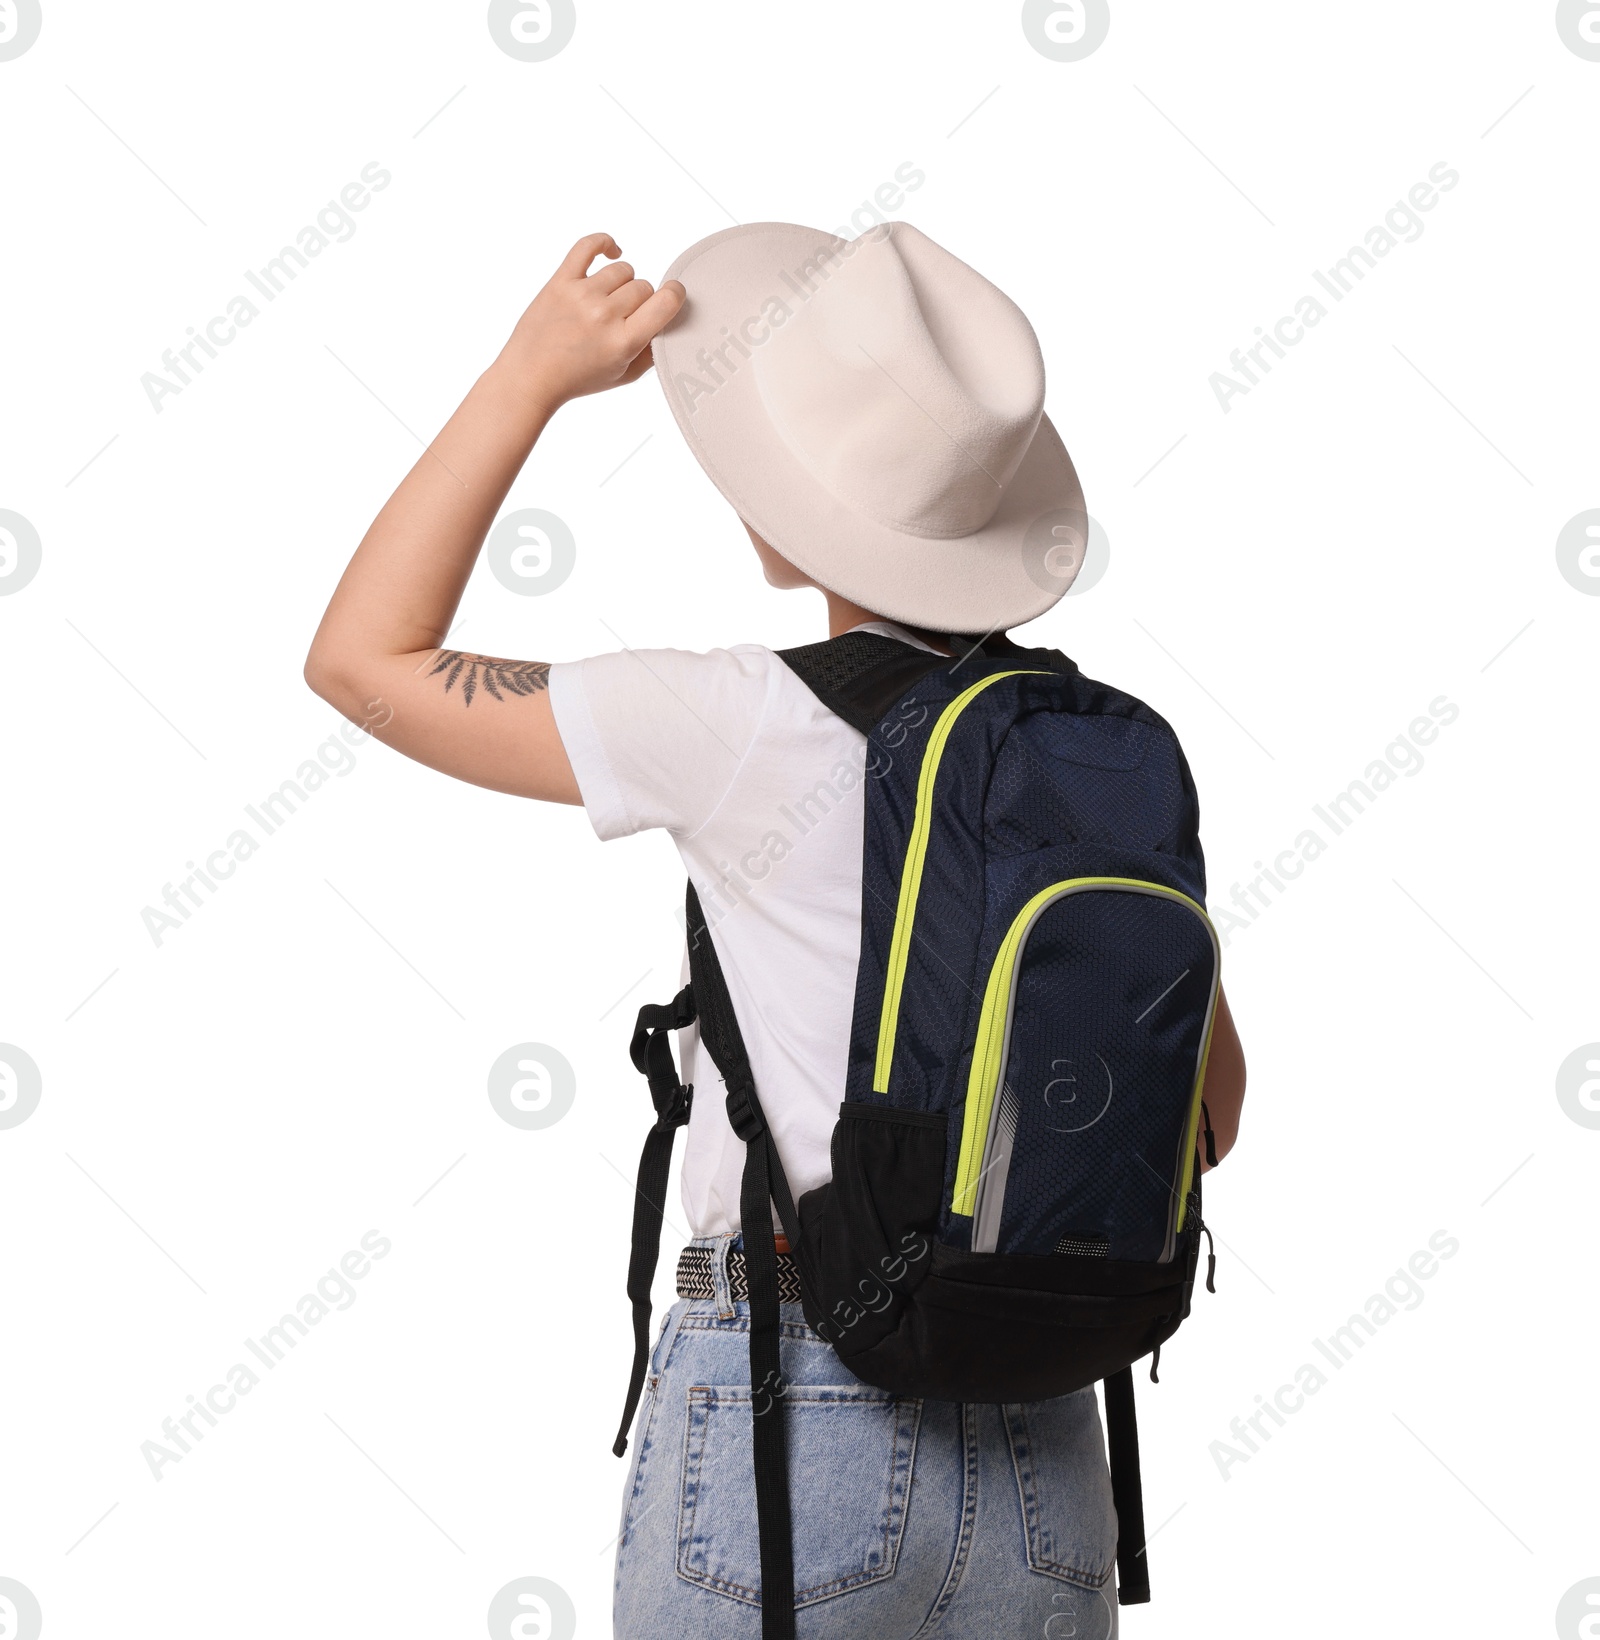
column 1083, row 1097
column 850, row 1478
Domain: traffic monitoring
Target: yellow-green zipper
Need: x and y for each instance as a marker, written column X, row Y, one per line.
column 988, row 1048
column 1192, row 1132
column 911, row 874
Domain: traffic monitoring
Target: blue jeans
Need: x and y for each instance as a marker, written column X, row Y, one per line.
column 911, row 1518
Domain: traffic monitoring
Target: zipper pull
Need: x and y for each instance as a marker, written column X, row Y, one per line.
column 1211, row 1138
column 1205, row 1230
column 1155, row 1361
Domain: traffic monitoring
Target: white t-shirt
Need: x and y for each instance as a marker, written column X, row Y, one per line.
column 760, row 786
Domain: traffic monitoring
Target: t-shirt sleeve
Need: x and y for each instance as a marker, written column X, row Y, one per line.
column 656, row 736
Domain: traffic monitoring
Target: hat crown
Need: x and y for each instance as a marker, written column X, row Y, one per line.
column 905, row 383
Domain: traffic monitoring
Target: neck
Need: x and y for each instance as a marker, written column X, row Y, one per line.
column 843, row 615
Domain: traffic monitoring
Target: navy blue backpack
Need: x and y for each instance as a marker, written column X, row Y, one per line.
column 1014, row 1211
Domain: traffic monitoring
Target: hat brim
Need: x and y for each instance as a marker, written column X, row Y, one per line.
column 998, row 577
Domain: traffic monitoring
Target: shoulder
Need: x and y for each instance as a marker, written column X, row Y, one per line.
column 670, row 687
column 656, row 737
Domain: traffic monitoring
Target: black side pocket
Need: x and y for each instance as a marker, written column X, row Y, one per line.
column 867, row 1236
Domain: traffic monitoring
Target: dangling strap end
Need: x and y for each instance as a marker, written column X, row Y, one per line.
column 651, row 1052
column 1122, row 1440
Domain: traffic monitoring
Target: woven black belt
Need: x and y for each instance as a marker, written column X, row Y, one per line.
column 697, row 1275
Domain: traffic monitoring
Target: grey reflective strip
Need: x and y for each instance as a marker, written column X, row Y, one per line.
column 991, row 1187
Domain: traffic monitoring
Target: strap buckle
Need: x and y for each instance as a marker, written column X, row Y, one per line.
column 743, row 1115
column 673, row 1111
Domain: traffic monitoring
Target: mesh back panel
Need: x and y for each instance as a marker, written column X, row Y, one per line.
column 860, row 675
column 832, row 666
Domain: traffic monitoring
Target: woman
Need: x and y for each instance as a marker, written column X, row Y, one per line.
column 874, row 411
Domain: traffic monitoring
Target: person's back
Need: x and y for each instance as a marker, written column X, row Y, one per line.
column 761, row 788
column 874, row 411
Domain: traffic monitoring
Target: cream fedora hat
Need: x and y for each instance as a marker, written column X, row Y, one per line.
column 874, row 409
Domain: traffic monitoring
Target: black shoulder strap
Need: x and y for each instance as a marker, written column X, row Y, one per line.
column 859, row 675
column 998, row 646
column 764, row 1185
column 722, row 1039
column 1127, row 1490
column 652, row 1057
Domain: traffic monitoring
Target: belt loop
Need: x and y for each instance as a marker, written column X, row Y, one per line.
column 719, row 1275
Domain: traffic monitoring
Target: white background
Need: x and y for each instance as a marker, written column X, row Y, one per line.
column 1290, row 582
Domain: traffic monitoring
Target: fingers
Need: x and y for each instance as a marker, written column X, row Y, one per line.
column 611, row 278
column 638, row 367
column 655, row 313
column 629, row 298
column 575, row 264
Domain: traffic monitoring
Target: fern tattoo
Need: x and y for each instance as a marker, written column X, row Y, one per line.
column 473, row 671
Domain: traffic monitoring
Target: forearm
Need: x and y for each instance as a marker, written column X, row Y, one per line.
column 1225, row 1079
column 399, row 594
column 581, row 334
column 378, row 655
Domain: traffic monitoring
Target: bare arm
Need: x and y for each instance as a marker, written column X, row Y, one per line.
column 377, row 656
column 1224, row 1085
